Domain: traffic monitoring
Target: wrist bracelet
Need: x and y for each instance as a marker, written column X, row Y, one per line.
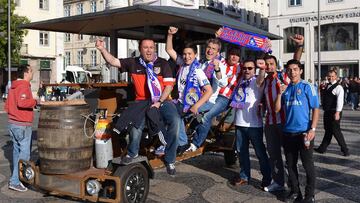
column 301, row 45
column 216, row 71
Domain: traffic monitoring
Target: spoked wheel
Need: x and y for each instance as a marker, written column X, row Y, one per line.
column 134, row 180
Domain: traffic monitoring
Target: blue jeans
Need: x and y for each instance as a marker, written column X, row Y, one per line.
column 183, row 138
column 21, row 139
column 255, row 135
column 354, row 99
column 202, row 130
column 172, row 120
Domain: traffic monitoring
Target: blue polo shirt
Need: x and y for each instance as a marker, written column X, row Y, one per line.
column 297, row 100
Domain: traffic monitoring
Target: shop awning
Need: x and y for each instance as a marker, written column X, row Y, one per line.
column 136, row 22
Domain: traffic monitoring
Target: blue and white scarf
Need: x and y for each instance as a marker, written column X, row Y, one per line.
column 192, row 91
column 239, row 97
column 152, row 80
column 210, row 67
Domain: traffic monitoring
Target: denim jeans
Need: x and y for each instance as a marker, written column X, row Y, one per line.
column 172, row 121
column 21, row 139
column 243, row 136
column 354, row 99
column 183, row 139
column 205, row 125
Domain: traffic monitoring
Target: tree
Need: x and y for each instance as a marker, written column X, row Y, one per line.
column 16, row 34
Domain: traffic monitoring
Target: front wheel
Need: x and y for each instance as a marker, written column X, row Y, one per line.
column 134, row 181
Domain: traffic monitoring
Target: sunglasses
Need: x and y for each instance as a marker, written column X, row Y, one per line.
column 247, row 68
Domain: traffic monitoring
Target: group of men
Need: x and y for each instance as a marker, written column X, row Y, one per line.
column 211, row 85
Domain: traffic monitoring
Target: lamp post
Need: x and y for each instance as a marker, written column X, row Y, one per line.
column 9, row 44
column 319, row 48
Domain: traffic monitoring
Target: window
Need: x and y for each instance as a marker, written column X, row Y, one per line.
column 93, row 6
column 80, row 58
column 294, row 2
column 289, row 45
column 93, row 58
column 67, row 58
column 337, row 37
column 67, row 37
column 44, row 38
column 67, row 10
column 79, row 8
column 44, row 4
column 80, row 37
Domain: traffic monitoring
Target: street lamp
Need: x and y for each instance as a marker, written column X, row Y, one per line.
column 319, row 48
column 9, row 44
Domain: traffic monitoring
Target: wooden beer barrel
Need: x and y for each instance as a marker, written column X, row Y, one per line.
column 62, row 144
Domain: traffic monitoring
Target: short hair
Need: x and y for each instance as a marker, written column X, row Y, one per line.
column 234, row 51
column 261, row 56
column 143, row 39
column 294, row 61
column 249, row 61
column 332, row 71
column 24, row 68
column 214, row 41
column 268, row 56
column 191, row 46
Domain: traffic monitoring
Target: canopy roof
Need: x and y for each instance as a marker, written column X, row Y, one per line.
column 139, row 21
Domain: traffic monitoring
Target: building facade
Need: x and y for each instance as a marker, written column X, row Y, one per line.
column 41, row 49
column 79, row 50
column 339, row 35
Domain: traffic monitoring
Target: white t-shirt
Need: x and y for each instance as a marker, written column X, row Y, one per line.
column 248, row 116
column 201, row 79
column 217, row 84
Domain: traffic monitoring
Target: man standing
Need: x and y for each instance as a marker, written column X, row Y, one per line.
column 249, row 125
column 274, row 121
column 333, row 102
column 153, row 82
column 19, row 106
column 298, row 100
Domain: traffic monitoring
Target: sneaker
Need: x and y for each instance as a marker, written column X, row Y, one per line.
column 346, row 154
column 181, row 149
column 127, row 159
column 20, row 187
column 293, row 197
column 170, row 169
column 192, row 148
column 274, row 187
column 160, row 151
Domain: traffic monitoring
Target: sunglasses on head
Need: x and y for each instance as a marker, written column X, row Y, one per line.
column 247, row 68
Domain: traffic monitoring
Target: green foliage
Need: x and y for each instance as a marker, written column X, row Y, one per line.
column 16, row 34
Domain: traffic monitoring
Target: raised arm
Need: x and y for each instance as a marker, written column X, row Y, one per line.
column 110, row 59
column 278, row 98
column 169, row 43
column 260, row 63
column 299, row 41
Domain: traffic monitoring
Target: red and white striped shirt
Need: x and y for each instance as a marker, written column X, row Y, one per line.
column 272, row 88
column 231, row 74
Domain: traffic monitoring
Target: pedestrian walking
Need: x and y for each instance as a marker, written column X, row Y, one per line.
column 333, row 105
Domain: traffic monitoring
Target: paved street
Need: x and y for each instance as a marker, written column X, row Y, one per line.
column 205, row 178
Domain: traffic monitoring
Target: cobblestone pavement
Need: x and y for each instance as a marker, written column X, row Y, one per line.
column 205, row 178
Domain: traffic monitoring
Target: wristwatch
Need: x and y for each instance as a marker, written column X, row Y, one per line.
column 313, row 129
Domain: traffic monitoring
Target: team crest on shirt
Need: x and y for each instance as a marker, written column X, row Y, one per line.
column 240, row 95
column 298, row 91
column 191, row 97
column 157, row 70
